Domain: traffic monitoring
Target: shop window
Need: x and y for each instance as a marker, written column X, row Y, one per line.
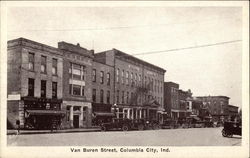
column 43, row 89
column 31, row 88
column 54, row 89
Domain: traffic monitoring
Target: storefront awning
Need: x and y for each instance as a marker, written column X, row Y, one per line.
column 45, row 112
column 104, row 114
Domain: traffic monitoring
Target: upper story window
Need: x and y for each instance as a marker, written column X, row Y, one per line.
column 101, row 96
column 101, row 77
column 77, row 71
column 135, row 79
column 127, row 76
column 54, row 66
column 108, row 97
column 94, row 75
column 123, row 97
column 94, row 95
column 122, row 76
column 108, row 78
column 31, row 87
column 31, row 61
column 117, row 75
column 132, row 79
column 127, row 98
column 43, row 64
column 139, row 79
column 117, row 97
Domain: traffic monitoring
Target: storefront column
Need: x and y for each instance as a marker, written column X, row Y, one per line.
column 81, row 117
column 132, row 113
column 136, row 115
column 123, row 113
column 128, row 114
column 145, row 113
column 140, row 113
column 71, row 116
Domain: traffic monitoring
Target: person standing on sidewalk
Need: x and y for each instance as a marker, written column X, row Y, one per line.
column 18, row 126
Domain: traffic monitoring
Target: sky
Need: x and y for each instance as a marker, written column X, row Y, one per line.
column 211, row 70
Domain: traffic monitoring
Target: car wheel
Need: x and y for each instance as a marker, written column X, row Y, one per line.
column 155, row 126
column 224, row 134
column 140, row 127
column 125, row 128
column 103, row 128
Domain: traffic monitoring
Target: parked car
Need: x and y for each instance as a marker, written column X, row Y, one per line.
column 169, row 124
column 118, row 124
column 231, row 128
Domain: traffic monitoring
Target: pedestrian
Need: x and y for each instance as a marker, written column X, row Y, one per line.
column 18, row 126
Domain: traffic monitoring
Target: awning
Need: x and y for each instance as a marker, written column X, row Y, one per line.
column 45, row 112
column 104, row 114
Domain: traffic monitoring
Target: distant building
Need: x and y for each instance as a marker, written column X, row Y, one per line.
column 177, row 103
column 35, row 84
column 216, row 105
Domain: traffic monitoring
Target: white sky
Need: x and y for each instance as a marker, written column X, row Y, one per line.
column 214, row 70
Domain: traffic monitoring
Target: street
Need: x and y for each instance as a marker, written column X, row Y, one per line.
column 162, row 137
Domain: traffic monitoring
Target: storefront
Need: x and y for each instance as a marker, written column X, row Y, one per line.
column 41, row 113
column 78, row 114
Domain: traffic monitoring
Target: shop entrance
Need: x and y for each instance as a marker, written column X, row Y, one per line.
column 76, row 121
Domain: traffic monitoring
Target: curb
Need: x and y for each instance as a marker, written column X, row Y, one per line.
column 14, row 132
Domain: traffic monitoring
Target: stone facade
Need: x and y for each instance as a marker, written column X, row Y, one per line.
column 77, row 85
column 24, row 66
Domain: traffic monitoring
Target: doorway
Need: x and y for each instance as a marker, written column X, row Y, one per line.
column 76, row 121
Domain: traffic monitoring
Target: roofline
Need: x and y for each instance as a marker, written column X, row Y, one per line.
column 218, row 96
column 140, row 60
column 33, row 42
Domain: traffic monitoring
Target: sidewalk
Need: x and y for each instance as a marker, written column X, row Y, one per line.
column 92, row 129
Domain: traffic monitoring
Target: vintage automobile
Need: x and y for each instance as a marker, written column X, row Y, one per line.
column 117, row 124
column 231, row 128
column 169, row 124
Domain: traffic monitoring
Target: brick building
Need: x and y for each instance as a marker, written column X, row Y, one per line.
column 178, row 103
column 137, row 85
column 102, row 91
column 216, row 105
column 34, row 85
column 77, row 85
column 73, row 86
